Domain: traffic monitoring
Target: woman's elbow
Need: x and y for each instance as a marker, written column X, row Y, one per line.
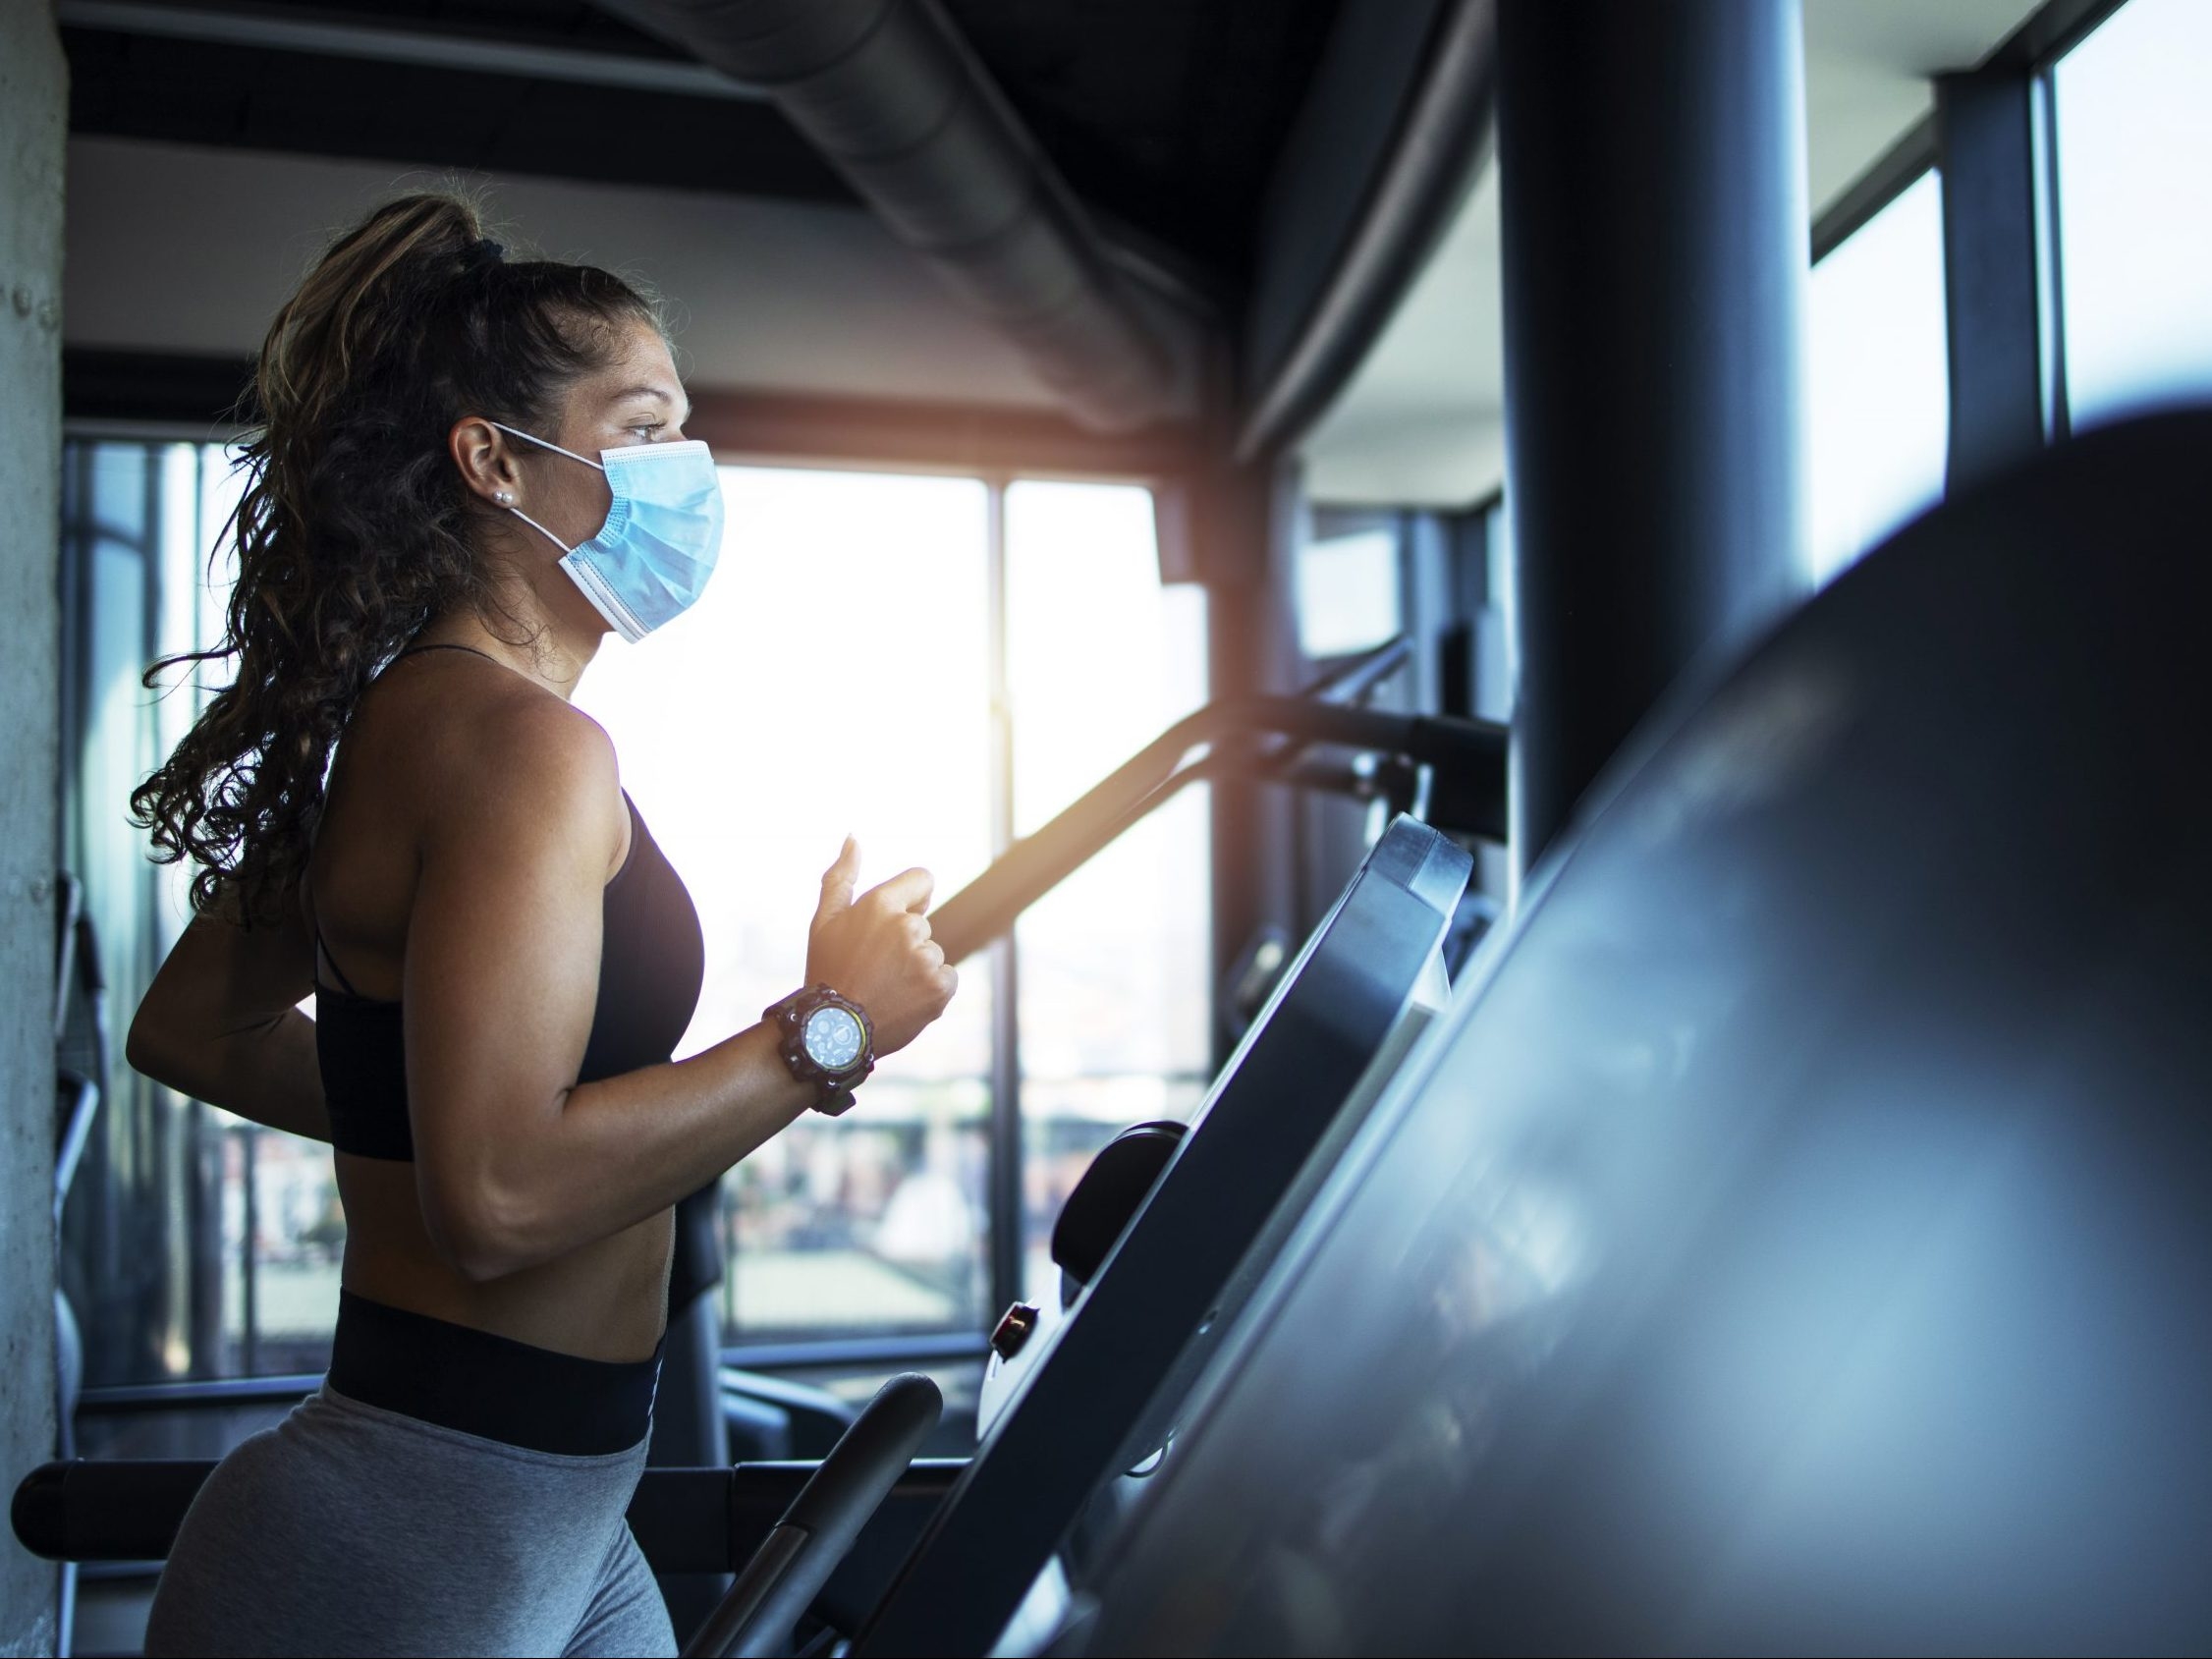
column 152, row 1051
column 139, row 1049
column 471, row 1254
column 471, row 1248
column 477, row 1234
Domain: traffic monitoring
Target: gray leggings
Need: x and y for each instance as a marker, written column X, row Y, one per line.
column 348, row 1528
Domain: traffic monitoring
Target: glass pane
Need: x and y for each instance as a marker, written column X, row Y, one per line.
column 1348, row 593
column 834, row 678
column 135, row 1304
column 1878, row 384
column 1114, row 964
column 280, row 1302
column 155, row 1251
column 872, row 1222
column 2135, row 144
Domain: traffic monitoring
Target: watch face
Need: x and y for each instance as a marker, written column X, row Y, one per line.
column 833, row 1038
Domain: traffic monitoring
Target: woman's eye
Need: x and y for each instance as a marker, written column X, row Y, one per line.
column 645, row 433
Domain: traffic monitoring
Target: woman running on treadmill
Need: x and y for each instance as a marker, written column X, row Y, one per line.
column 468, row 472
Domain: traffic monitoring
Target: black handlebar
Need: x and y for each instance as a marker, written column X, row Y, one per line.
column 786, row 1573
column 1469, row 757
column 1352, row 679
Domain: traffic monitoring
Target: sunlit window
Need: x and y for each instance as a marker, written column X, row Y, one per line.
column 2135, row 150
column 1348, row 592
column 1878, row 388
column 1116, row 1006
column 834, row 678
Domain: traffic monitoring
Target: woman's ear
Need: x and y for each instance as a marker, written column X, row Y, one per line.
column 487, row 467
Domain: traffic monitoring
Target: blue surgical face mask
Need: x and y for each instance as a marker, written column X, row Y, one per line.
column 650, row 560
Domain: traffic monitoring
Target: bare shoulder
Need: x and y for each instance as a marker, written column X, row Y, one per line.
column 518, row 756
column 502, row 765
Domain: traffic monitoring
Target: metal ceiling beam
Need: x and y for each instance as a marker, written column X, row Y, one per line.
column 327, row 36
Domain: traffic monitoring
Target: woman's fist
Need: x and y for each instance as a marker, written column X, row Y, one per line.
column 876, row 949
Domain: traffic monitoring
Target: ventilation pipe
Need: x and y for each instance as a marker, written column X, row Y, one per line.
column 892, row 96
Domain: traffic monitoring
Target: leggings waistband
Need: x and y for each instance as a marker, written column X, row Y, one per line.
column 493, row 1386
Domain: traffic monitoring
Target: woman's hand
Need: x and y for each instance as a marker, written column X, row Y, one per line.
column 876, row 949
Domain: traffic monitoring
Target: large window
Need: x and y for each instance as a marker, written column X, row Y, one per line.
column 1878, row 389
column 838, row 676
column 2134, row 152
column 1116, row 1010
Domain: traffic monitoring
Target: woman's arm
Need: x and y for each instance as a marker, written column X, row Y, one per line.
column 220, row 1022
column 518, row 1164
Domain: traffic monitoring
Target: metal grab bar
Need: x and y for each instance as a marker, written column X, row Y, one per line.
column 1471, row 754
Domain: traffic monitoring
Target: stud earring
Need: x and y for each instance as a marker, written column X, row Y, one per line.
column 505, row 498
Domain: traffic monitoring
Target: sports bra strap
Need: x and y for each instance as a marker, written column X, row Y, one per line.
column 443, row 646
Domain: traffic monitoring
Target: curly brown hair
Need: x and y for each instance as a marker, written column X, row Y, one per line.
column 353, row 531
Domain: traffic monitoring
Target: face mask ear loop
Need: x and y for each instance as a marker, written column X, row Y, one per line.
column 558, row 450
column 541, row 530
column 543, row 444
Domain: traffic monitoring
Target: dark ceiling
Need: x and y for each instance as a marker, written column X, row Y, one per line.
column 1166, row 116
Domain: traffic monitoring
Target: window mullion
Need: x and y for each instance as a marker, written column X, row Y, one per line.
column 1986, row 139
column 1004, row 1178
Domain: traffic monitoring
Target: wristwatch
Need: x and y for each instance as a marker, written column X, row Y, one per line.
column 826, row 1040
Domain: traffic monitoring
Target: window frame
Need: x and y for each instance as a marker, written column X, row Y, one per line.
column 2013, row 85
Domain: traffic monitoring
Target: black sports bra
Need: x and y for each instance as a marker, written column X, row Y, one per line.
column 652, row 964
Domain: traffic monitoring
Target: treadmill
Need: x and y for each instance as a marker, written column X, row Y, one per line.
column 1794, row 1238
column 1339, row 1018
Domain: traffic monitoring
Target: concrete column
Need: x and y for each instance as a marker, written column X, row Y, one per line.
column 1651, row 160
column 33, row 117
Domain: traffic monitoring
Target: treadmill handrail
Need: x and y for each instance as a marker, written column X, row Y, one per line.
column 1034, row 864
column 1351, row 680
column 687, row 1520
column 814, row 1534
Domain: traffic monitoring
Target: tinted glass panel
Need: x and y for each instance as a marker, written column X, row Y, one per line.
column 1878, row 389
column 2134, row 147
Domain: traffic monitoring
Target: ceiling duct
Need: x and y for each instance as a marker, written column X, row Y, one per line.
column 893, row 97
column 1442, row 131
